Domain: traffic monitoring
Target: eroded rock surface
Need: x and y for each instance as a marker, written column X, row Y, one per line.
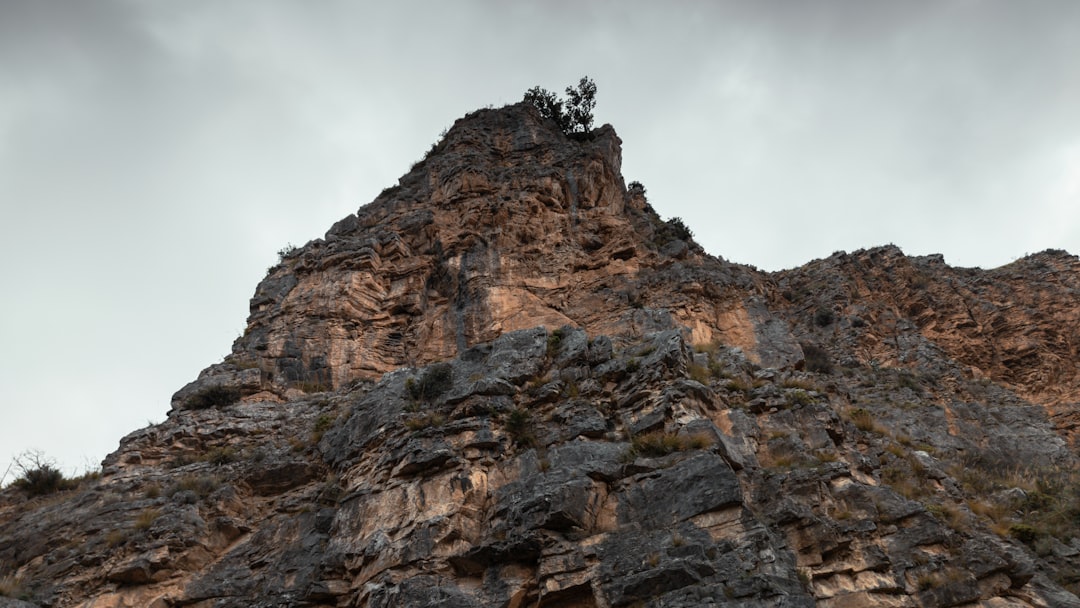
column 507, row 382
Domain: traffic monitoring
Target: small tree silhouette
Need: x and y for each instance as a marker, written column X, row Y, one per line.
column 574, row 114
column 549, row 105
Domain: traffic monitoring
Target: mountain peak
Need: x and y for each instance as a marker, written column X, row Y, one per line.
column 507, row 382
column 505, row 224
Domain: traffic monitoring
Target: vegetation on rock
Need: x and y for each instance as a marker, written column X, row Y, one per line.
column 217, row 395
column 869, row 429
column 574, row 113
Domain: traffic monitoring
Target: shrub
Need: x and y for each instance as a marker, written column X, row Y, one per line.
column 38, row 475
column 389, row 191
column 201, row 485
column 313, row 386
column 817, row 359
column 800, row 383
column 1024, row 533
column 712, row 348
column 116, row 537
column 660, row 443
column 738, row 385
column 217, row 395
column 863, row 419
column 906, row 379
column 146, row 518
column 549, row 105
column 952, row 515
column 553, row 342
column 285, row 252
column 11, row 586
column 574, row 114
column 221, row 455
column 698, row 373
column 800, row 397
column 322, row 424
column 679, row 229
column 40, row 481
column 929, row 580
column 424, row 421
column 671, row 230
column 520, row 427
column 435, row 381
column 823, row 317
column 579, row 105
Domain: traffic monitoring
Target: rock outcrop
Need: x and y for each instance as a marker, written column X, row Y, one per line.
column 506, row 224
column 507, row 382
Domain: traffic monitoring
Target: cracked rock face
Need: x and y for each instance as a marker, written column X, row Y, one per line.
column 506, row 382
column 505, row 225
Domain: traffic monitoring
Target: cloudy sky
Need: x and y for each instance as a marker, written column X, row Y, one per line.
column 155, row 155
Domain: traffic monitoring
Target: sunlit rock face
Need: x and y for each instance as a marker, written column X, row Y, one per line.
column 507, row 382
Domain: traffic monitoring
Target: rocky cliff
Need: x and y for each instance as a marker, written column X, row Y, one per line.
column 508, row 382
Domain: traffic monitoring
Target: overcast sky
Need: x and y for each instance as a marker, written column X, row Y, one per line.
column 155, row 155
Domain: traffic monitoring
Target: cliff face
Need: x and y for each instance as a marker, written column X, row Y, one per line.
column 1017, row 326
column 505, row 225
column 507, row 382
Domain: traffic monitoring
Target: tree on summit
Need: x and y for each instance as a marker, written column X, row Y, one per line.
column 580, row 103
column 573, row 114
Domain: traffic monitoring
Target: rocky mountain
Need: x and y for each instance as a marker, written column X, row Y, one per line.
column 507, row 382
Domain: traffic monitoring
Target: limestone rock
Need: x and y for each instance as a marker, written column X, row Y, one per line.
column 505, row 382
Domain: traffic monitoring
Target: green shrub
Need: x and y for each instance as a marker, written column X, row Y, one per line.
column 553, row 342
column 519, row 426
column 435, row 381
column 574, row 114
column 679, row 229
column 817, row 359
column 285, row 252
column 217, row 395
column 906, row 379
column 389, row 191
column 800, row 397
column 1024, row 533
column 823, row 317
column 38, row 475
column 321, row 425
column 41, row 480
column 671, row 230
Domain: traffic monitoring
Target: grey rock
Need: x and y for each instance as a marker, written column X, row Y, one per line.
column 600, row 350
column 573, row 347
column 702, row 483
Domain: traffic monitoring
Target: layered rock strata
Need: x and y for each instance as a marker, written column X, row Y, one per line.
column 508, row 382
